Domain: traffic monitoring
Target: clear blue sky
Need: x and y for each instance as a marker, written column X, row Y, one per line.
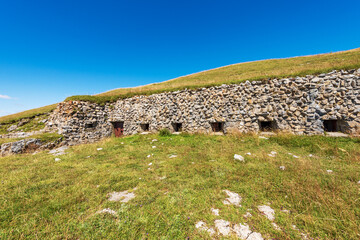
column 53, row 49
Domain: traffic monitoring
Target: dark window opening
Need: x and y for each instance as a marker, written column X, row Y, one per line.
column 145, row 126
column 90, row 125
column 118, row 128
column 177, row 127
column 266, row 125
column 331, row 125
column 217, row 126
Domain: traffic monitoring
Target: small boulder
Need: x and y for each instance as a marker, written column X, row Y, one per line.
column 239, row 158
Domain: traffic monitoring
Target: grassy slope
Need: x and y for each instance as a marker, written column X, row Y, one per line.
column 26, row 114
column 41, row 198
column 258, row 70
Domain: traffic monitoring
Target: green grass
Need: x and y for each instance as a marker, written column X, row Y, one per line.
column 26, row 114
column 236, row 73
column 34, row 124
column 44, row 199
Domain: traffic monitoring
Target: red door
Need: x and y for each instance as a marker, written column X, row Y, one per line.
column 118, row 128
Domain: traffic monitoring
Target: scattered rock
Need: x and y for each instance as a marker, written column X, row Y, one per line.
column 148, row 155
column 249, row 153
column 262, row 137
column 58, row 151
column 57, row 159
column 282, row 168
column 272, row 154
column 153, row 146
column 243, row 231
column 310, row 155
column 276, row 226
column 358, row 182
column 285, row 211
column 239, row 158
column 233, row 198
column 247, row 215
column 223, row 227
column 215, row 211
column 162, row 178
column 150, row 164
column 12, row 128
column 124, row 196
column 173, row 156
column 99, row 149
column 267, row 211
column 154, row 140
column 329, row 171
column 107, row 210
column 202, row 226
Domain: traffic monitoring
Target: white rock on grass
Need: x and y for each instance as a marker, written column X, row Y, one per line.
column 272, row 154
column 243, row 231
column 329, row 171
column 57, row 159
column 247, row 215
column 124, row 196
column 262, row 137
column 173, row 156
column 107, row 210
column 58, row 151
column 215, row 211
column 276, row 227
column 223, row 227
column 285, row 211
column 282, row 168
column 358, row 182
column 148, row 155
column 249, row 153
column 150, row 164
column 99, row 149
column 153, row 146
column 239, row 158
column 202, row 226
column 154, row 140
column 310, row 155
column 267, row 211
column 233, row 198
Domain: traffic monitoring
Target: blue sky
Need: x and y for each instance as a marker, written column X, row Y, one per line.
column 53, row 49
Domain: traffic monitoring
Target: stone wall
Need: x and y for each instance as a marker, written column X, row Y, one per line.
column 298, row 105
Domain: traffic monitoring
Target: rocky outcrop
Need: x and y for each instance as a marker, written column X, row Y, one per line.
column 26, row 146
column 301, row 105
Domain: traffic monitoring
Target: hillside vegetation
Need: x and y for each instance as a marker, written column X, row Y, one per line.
column 258, row 70
column 176, row 183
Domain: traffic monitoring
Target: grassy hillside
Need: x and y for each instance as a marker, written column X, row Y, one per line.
column 26, row 114
column 258, row 70
column 45, row 199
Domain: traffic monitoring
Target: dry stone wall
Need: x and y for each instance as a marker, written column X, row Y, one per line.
column 299, row 105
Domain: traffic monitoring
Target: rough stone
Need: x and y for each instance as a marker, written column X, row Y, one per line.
column 267, row 211
column 298, row 105
column 233, row 198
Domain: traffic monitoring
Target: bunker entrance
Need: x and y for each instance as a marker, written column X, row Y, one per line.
column 177, row 127
column 145, row 127
column 118, row 128
column 217, row 126
column 331, row 125
column 266, row 126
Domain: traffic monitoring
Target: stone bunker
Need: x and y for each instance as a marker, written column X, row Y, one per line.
column 327, row 102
